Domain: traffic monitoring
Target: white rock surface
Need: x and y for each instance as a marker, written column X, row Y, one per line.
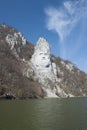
column 69, row 66
column 12, row 40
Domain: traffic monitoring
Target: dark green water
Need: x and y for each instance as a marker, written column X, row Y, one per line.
column 44, row 114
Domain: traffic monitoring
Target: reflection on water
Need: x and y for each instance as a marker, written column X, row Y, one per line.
column 44, row 114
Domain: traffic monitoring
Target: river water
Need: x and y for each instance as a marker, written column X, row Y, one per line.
column 44, row 114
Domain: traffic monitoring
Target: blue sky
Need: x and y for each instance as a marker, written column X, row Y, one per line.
column 62, row 22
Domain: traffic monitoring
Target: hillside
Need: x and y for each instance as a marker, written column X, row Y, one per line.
column 28, row 71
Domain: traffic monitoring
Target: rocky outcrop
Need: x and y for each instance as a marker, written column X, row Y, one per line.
column 28, row 71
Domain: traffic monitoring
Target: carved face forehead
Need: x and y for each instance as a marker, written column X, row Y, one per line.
column 42, row 45
column 42, row 48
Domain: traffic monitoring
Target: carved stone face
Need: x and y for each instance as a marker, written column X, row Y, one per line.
column 42, row 60
column 41, row 56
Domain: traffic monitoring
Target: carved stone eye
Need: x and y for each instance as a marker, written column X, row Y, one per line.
column 43, row 57
column 37, row 65
column 41, row 53
column 47, row 66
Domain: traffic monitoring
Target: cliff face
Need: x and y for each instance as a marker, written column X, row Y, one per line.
column 31, row 72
